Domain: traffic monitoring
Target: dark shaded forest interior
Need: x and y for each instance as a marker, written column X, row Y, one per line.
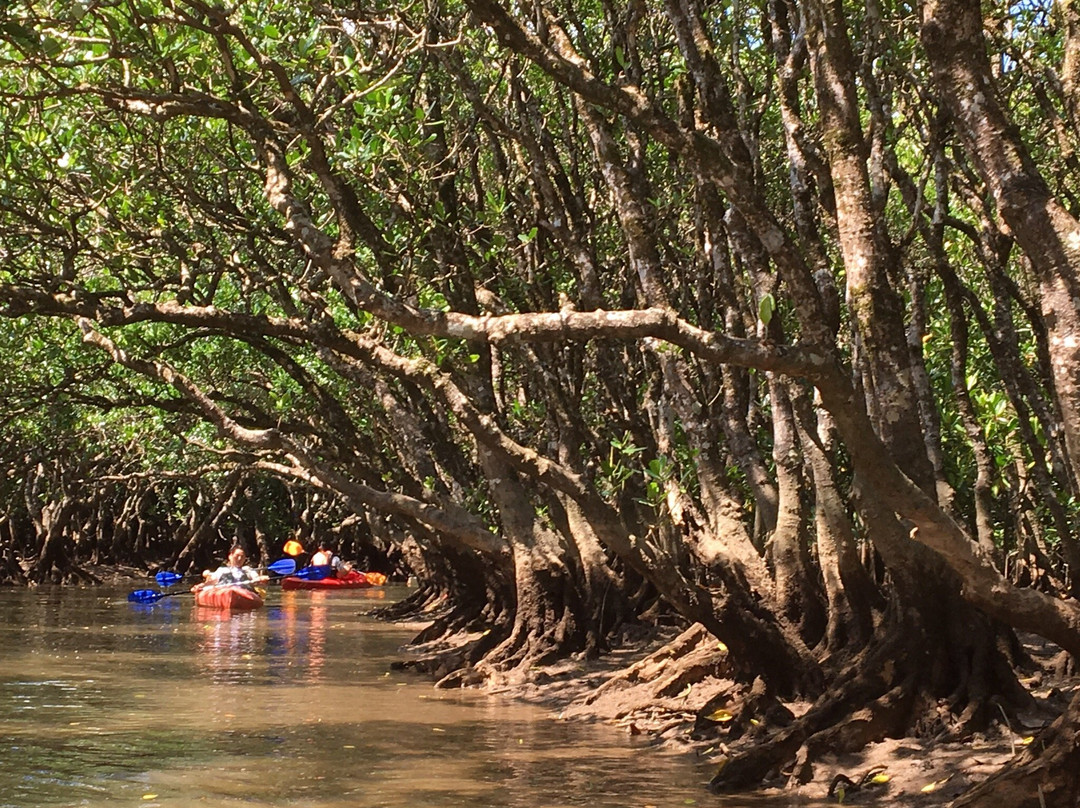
column 758, row 322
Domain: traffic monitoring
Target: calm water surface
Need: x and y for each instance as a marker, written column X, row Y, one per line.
column 104, row 702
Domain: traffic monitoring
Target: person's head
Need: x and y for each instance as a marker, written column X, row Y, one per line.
column 237, row 556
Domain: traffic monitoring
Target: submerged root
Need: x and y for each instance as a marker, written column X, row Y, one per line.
column 506, row 668
column 69, row 574
column 457, row 638
column 11, row 572
column 451, row 659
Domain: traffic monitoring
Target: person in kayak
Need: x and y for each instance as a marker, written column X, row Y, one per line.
column 324, row 557
column 234, row 571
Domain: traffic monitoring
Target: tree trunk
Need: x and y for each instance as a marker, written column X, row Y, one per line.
column 204, row 526
column 798, row 595
column 54, row 561
column 551, row 619
column 952, row 35
column 850, row 592
column 11, row 571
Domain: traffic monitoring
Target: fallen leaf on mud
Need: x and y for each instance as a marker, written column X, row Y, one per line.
column 934, row 785
column 881, row 778
column 721, row 716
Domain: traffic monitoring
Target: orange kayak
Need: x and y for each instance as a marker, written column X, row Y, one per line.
column 232, row 598
column 354, row 580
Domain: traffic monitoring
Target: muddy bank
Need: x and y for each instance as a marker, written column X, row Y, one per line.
column 91, row 575
column 639, row 689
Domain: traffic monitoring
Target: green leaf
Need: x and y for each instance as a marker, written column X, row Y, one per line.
column 20, row 34
column 766, row 308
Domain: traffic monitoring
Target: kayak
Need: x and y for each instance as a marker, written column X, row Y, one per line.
column 231, row 598
column 354, row 580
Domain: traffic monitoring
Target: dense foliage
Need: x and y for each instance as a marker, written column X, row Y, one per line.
column 759, row 315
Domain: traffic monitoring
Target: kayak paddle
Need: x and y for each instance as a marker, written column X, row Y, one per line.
column 285, row 566
column 168, row 578
column 308, row 573
column 282, row 569
column 152, row 595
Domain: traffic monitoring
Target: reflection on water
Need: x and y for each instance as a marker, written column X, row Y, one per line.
column 298, row 637
column 225, row 648
column 104, row 702
column 285, row 643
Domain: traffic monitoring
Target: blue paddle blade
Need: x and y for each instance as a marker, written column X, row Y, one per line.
column 167, row 578
column 313, row 573
column 286, row 566
column 145, row 596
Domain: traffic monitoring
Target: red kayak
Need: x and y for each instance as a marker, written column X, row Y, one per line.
column 231, row 598
column 354, row 580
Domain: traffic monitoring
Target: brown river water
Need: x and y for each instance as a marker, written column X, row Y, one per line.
column 109, row 703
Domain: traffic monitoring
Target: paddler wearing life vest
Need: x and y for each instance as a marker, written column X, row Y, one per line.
column 325, row 557
column 234, row 571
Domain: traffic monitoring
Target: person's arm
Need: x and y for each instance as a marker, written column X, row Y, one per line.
column 210, row 577
column 341, row 569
